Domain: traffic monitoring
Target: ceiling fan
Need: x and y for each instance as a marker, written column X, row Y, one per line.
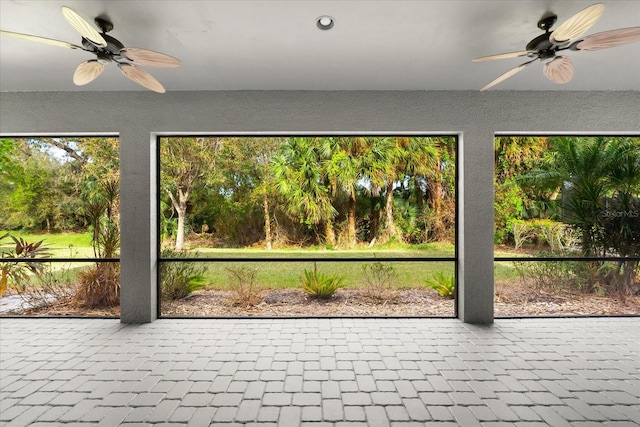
column 559, row 68
column 107, row 50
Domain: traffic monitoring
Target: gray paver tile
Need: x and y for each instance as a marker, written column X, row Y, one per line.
column 354, row 413
column 376, row 416
column 464, row 416
column 248, row 410
column 518, row 372
column 290, row 416
column 202, row 417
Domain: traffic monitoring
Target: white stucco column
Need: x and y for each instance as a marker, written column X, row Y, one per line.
column 138, row 230
column 475, row 227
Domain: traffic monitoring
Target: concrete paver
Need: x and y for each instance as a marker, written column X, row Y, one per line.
column 320, row 372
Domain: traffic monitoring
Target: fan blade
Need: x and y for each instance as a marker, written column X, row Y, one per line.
column 608, row 39
column 149, row 57
column 141, row 77
column 559, row 70
column 83, row 27
column 87, row 72
column 508, row 74
column 578, row 24
column 51, row 42
column 502, row 56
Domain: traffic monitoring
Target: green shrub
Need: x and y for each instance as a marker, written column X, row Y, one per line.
column 445, row 285
column 320, row 285
column 179, row 279
column 549, row 276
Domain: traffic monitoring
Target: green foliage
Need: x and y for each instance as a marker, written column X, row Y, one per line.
column 549, row 276
column 16, row 273
column 508, row 207
column 560, row 238
column 179, row 279
column 99, row 285
column 247, row 292
column 445, row 285
column 380, row 281
column 320, row 285
column 600, row 181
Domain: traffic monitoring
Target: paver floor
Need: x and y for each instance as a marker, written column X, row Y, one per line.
column 320, row 372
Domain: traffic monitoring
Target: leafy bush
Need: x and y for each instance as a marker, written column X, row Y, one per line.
column 320, row 285
column 508, row 206
column 380, row 280
column 179, row 279
column 19, row 272
column 445, row 285
column 547, row 276
column 243, row 284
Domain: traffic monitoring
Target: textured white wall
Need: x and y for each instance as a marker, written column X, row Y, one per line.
column 138, row 116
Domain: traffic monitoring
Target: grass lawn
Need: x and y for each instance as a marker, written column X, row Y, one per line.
column 284, row 274
column 60, row 245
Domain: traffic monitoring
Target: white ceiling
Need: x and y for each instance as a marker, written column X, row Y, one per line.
column 275, row 45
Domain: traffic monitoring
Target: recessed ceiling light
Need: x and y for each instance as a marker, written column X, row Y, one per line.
column 325, row 22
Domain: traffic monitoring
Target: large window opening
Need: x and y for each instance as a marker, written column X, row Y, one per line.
column 567, row 225
column 59, row 226
column 307, row 226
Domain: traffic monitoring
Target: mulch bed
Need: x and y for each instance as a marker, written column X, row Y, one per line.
column 294, row 302
column 512, row 299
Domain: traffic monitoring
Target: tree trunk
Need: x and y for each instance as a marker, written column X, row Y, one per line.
column 330, row 233
column 388, row 207
column 352, row 218
column 267, row 220
column 180, row 231
column 374, row 225
column 435, row 203
column 629, row 276
column 180, row 205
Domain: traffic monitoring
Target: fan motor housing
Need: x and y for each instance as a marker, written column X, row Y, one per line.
column 113, row 45
column 539, row 43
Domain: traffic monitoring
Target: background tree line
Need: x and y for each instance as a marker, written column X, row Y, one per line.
column 335, row 191
column 58, row 184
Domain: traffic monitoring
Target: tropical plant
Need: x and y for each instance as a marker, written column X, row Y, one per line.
column 445, row 285
column 15, row 274
column 320, row 285
column 301, row 179
column 100, row 283
column 600, row 181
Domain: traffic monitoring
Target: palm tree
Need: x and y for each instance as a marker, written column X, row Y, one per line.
column 301, row 180
column 601, row 181
column 404, row 157
column 347, row 168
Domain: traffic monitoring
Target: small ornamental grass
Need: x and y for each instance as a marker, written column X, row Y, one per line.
column 242, row 281
column 445, row 285
column 319, row 285
column 380, row 282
